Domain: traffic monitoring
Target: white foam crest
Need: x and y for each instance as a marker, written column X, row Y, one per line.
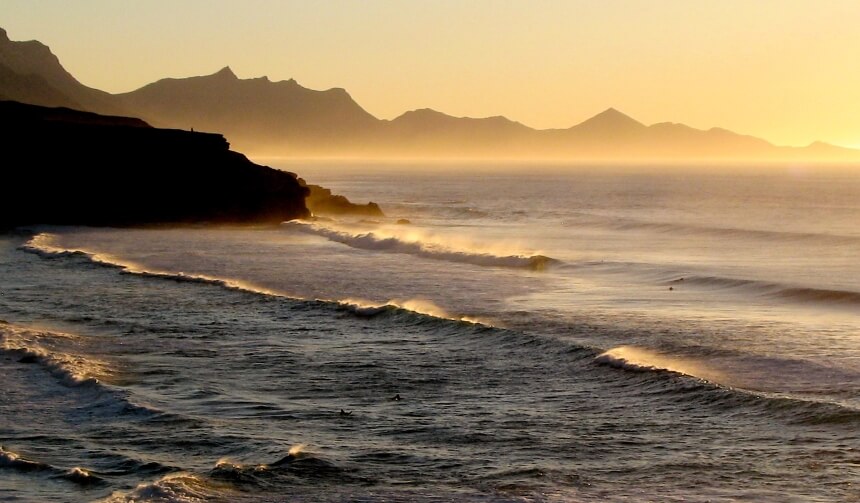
column 8, row 458
column 425, row 245
column 363, row 307
column 56, row 352
column 296, row 449
column 226, row 463
column 222, row 462
column 641, row 359
column 14, row 461
column 81, row 476
column 44, row 244
column 181, row 487
column 230, row 465
column 77, row 471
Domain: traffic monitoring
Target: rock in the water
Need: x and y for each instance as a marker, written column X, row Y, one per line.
column 322, row 201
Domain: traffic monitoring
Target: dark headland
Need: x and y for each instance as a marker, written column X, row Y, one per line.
column 67, row 167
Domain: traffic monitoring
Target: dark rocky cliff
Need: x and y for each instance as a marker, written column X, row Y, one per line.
column 321, row 201
column 67, row 167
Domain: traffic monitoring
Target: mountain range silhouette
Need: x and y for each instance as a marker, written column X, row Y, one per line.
column 283, row 118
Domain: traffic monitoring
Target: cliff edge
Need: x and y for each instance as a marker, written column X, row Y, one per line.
column 67, row 167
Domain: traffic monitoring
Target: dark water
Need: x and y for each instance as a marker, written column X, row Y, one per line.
column 128, row 381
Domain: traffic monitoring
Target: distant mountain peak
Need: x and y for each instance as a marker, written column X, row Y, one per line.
column 614, row 116
column 33, row 74
column 610, row 121
column 430, row 114
column 226, row 72
column 425, row 112
column 27, row 53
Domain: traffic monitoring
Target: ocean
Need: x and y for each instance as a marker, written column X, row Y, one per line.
column 511, row 333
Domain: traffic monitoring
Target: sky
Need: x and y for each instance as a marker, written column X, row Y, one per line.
column 784, row 70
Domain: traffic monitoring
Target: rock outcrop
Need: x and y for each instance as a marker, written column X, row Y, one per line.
column 68, row 167
column 321, row 201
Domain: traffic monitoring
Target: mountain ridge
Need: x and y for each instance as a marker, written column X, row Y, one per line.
column 28, row 59
column 284, row 118
column 249, row 110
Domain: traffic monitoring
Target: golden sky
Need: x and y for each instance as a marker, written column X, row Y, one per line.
column 784, row 70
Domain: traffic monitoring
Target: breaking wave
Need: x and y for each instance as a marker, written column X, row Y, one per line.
column 230, row 481
column 296, row 464
column 66, row 357
column 709, row 388
column 42, row 245
column 178, row 487
column 55, row 352
column 375, row 240
column 641, row 359
column 80, row 476
column 369, row 309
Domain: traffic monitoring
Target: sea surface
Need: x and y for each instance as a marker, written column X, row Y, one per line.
column 526, row 333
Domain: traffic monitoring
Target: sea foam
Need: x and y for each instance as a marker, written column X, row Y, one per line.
column 366, row 308
column 14, row 461
column 180, row 487
column 423, row 246
column 56, row 352
column 643, row 360
column 44, row 245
